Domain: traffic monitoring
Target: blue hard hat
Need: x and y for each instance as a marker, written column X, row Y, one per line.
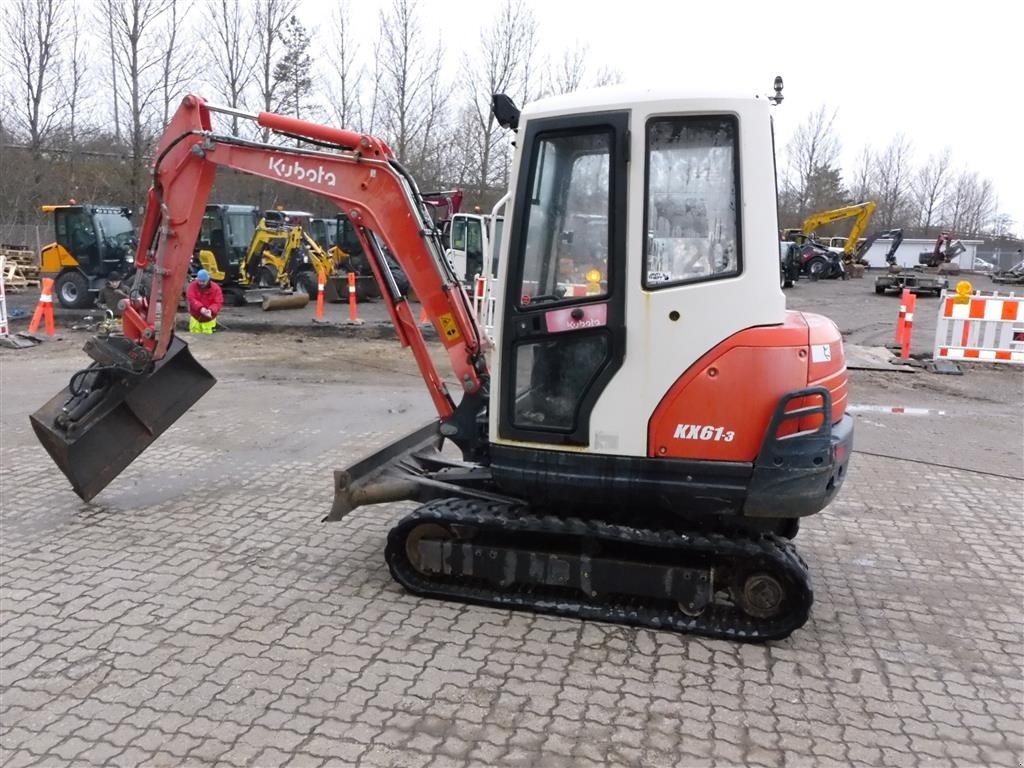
column 203, row 276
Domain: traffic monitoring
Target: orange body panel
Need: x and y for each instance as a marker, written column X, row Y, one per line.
column 719, row 409
column 54, row 258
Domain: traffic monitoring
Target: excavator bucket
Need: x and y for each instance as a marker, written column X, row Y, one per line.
column 335, row 290
column 99, row 423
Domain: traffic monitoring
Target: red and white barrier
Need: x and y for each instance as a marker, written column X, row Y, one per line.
column 905, row 322
column 982, row 328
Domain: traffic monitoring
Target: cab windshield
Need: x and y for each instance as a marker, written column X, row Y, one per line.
column 115, row 228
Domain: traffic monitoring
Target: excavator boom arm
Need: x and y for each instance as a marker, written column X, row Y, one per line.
column 362, row 180
column 863, row 212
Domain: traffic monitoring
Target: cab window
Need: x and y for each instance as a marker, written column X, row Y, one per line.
column 566, row 236
column 692, row 195
column 459, row 235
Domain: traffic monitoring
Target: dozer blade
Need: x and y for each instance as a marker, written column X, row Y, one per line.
column 411, row 468
column 95, row 427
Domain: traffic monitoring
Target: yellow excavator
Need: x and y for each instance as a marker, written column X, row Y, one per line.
column 284, row 256
column 278, row 256
column 816, row 260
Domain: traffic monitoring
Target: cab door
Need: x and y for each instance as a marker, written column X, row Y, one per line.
column 76, row 231
column 564, row 325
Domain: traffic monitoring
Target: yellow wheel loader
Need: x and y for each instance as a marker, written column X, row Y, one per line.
column 91, row 243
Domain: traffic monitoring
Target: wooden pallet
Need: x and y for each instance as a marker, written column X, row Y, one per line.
column 21, row 268
column 16, row 280
column 17, row 255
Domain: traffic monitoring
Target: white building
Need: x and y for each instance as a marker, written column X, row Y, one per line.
column 911, row 247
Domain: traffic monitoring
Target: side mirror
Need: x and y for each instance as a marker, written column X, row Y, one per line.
column 505, row 111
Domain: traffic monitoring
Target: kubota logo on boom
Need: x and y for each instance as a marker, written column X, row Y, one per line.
column 296, row 170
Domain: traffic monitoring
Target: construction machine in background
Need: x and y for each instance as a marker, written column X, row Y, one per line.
column 282, row 218
column 91, row 243
column 223, row 246
column 931, row 273
column 285, row 256
column 817, row 263
column 790, row 263
column 941, row 256
column 1012, row 276
column 603, row 468
column 324, row 231
column 350, row 257
column 252, row 258
column 443, row 205
column 470, row 237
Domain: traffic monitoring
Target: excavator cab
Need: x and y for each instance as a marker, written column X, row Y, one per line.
column 92, row 241
column 224, row 239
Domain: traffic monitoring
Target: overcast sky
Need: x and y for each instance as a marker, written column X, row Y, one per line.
column 944, row 74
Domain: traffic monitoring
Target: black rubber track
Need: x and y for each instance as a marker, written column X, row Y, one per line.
column 762, row 553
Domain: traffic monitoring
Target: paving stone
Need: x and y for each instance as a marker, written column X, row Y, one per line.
column 237, row 631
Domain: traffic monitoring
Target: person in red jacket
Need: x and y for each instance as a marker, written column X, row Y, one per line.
column 204, row 302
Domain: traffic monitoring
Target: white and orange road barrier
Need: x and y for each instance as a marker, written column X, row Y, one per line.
column 901, row 316
column 905, row 322
column 321, row 283
column 984, row 328
column 353, row 312
column 44, row 308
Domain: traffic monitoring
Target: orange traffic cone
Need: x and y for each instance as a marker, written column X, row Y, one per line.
column 423, row 315
column 44, row 308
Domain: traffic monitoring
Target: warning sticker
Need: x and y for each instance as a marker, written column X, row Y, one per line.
column 449, row 328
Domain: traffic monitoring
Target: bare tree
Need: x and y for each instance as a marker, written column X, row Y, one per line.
column 371, row 122
column 607, row 76
column 270, row 18
column 501, row 67
column 345, row 78
column 530, row 89
column 567, row 74
column 73, row 86
column 971, row 204
column 34, row 32
column 1002, row 225
column 928, row 189
column 412, row 97
column 861, row 179
column 233, row 53
column 141, row 55
column 108, row 14
column 892, row 176
column 178, row 66
column 572, row 72
column 814, row 146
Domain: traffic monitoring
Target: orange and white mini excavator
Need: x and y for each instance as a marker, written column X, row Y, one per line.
column 651, row 424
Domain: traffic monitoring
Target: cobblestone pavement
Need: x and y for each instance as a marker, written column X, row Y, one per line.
column 211, row 619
